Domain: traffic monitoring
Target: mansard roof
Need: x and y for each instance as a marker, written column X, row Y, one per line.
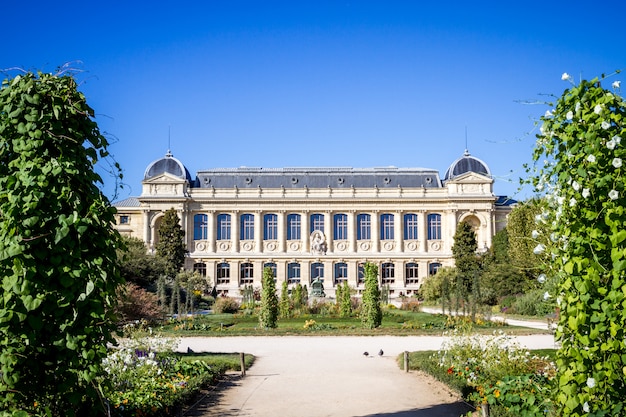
column 338, row 177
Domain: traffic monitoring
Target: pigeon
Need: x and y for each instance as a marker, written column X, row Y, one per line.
column 366, row 354
column 380, row 352
column 189, row 350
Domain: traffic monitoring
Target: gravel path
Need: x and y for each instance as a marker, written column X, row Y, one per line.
column 330, row 376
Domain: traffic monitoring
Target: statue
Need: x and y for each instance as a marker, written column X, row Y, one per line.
column 318, row 243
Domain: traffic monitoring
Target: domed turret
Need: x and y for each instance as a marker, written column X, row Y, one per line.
column 169, row 165
column 465, row 164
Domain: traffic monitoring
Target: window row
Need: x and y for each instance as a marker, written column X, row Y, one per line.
column 387, row 272
column 294, row 226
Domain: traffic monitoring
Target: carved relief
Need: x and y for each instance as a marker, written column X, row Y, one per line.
column 389, row 246
column 271, row 246
column 318, row 243
column 224, row 246
column 294, row 246
column 200, row 246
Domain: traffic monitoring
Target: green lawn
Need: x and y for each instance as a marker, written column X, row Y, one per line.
column 395, row 322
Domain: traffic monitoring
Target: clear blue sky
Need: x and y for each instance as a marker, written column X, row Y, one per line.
column 319, row 83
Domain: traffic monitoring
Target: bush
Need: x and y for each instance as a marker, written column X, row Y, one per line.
column 411, row 304
column 226, row 305
column 135, row 303
column 532, row 304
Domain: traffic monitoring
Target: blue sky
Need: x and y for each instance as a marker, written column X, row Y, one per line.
column 318, row 83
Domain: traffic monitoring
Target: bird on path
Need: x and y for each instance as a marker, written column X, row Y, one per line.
column 380, row 352
column 366, row 354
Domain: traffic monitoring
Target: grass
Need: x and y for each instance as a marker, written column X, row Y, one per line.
column 395, row 322
column 222, row 361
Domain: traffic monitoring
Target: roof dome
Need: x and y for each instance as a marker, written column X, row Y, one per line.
column 169, row 165
column 465, row 164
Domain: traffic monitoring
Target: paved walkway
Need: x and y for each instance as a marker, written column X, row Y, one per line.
column 330, row 376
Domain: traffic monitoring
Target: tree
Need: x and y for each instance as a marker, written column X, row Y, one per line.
column 371, row 313
column 345, row 300
column 137, row 265
column 524, row 233
column 58, row 257
column 585, row 243
column 467, row 265
column 171, row 247
column 268, row 316
column 284, row 304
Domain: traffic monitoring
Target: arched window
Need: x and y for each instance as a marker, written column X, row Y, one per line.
column 341, row 226
column 411, row 273
column 200, row 268
column 361, row 274
column 272, row 266
column 293, row 227
column 410, row 226
column 386, row 226
column 223, row 226
column 433, row 267
column 223, row 273
column 434, row 226
column 200, row 226
column 341, row 272
column 293, row 273
column 317, row 271
column 247, row 226
column 388, row 273
column 270, row 227
column 246, row 275
column 363, row 227
column 317, row 222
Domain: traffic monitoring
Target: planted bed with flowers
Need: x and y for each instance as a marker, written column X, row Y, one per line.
column 144, row 377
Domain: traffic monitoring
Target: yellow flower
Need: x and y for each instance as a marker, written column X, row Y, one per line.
column 496, row 393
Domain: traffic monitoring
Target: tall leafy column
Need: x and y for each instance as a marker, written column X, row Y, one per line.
column 58, row 259
column 579, row 166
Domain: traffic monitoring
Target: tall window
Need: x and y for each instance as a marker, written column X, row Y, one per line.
column 317, row 271
column 200, row 268
column 388, row 273
column 364, row 227
column 317, row 222
column 386, row 226
column 246, row 275
column 410, row 226
column 200, row 226
column 361, row 274
column 272, row 266
column 247, row 227
column 293, row 227
column 434, row 226
column 433, row 268
column 270, row 227
column 341, row 272
column 223, row 273
column 223, row 227
column 293, row 273
column 411, row 273
column 341, row 226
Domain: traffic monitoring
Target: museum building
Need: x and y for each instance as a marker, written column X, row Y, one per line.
column 317, row 223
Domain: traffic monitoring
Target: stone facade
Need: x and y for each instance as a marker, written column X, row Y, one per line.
column 309, row 223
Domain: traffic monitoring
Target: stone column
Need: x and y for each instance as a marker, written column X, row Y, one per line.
column 147, row 236
column 375, row 231
column 329, row 230
column 304, row 231
column 282, row 233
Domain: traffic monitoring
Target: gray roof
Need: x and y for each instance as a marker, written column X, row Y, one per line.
column 464, row 164
column 127, row 202
column 340, row 177
column 167, row 164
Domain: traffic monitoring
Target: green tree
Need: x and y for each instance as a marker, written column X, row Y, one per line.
column 345, row 300
column 137, row 265
column 371, row 313
column 58, row 257
column 285, row 304
column 584, row 188
column 467, row 266
column 268, row 316
column 171, row 247
column 524, row 233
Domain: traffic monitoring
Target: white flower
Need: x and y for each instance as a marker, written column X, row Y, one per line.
column 539, row 249
column 591, row 158
column 569, row 115
column 534, row 234
column 613, row 195
column 591, row 382
column 548, row 113
column 597, row 109
column 605, row 125
column 611, row 144
column 577, row 108
column 541, row 278
column 586, row 192
column 566, row 77
column 616, row 84
column 546, row 295
column 572, row 202
column 586, row 407
column 617, row 162
column 616, row 139
column 575, row 185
